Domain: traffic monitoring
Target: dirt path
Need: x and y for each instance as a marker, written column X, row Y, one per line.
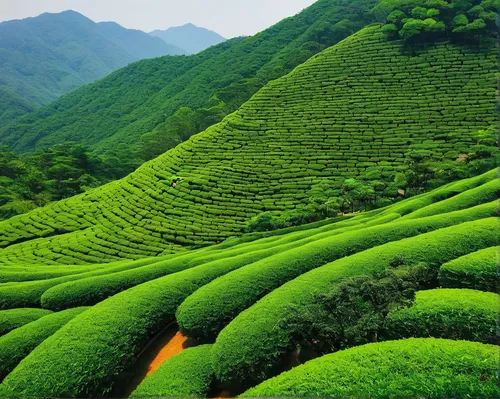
column 165, row 345
column 173, row 347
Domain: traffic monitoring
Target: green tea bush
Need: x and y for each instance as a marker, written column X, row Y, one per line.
column 17, row 344
column 251, row 346
column 447, row 313
column 478, row 270
column 315, row 123
column 187, row 375
column 204, row 314
column 15, row 318
column 84, row 357
column 426, row 368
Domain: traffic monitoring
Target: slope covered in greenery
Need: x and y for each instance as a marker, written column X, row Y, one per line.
column 86, row 355
column 151, row 96
column 12, row 105
column 355, row 107
column 49, row 55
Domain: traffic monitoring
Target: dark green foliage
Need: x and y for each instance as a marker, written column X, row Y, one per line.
column 187, row 375
column 52, row 174
column 429, row 368
column 447, row 313
column 478, row 270
column 355, row 311
column 15, row 318
column 251, row 346
column 17, row 344
column 418, row 21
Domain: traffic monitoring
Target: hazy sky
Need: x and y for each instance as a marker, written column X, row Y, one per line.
column 227, row 17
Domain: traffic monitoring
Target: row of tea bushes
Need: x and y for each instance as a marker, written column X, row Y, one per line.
column 356, row 106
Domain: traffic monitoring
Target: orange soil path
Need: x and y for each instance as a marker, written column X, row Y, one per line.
column 173, row 347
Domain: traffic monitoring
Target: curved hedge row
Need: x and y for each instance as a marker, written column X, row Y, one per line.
column 17, row 344
column 256, row 340
column 447, row 313
column 205, row 313
column 487, row 192
column 83, row 358
column 15, row 318
column 29, row 293
column 89, row 291
column 425, row 368
column 187, row 375
column 478, row 270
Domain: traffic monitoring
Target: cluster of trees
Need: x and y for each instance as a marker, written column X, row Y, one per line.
column 424, row 20
column 422, row 171
column 355, row 312
column 33, row 180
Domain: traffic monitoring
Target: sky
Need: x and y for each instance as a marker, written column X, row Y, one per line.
column 229, row 18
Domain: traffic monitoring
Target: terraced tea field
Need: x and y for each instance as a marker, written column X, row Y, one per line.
column 239, row 299
column 357, row 105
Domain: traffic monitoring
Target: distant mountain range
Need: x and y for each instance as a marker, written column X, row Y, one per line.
column 44, row 57
column 189, row 37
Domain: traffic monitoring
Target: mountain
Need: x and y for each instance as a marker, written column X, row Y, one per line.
column 49, row 55
column 355, row 107
column 147, row 102
column 189, row 37
column 137, row 42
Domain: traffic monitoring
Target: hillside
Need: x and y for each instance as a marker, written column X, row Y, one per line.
column 256, row 296
column 151, row 96
column 49, row 55
column 189, row 37
column 354, row 107
column 12, row 105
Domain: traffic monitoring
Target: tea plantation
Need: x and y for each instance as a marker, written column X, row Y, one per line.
column 357, row 105
column 256, row 286
column 395, row 302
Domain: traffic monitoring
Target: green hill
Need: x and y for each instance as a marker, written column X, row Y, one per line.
column 395, row 251
column 356, row 106
column 12, row 106
column 47, row 56
column 147, row 97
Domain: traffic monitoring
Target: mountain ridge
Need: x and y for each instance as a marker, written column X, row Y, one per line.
column 189, row 37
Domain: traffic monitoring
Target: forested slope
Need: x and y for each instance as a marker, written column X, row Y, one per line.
column 354, row 107
column 145, row 97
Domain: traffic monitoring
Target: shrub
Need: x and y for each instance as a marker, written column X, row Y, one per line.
column 447, row 313
column 17, row 344
column 207, row 311
column 187, row 375
column 15, row 318
column 425, row 368
column 29, row 293
column 478, row 270
column 84, row 357
column 251, row 345
column 354, row 312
